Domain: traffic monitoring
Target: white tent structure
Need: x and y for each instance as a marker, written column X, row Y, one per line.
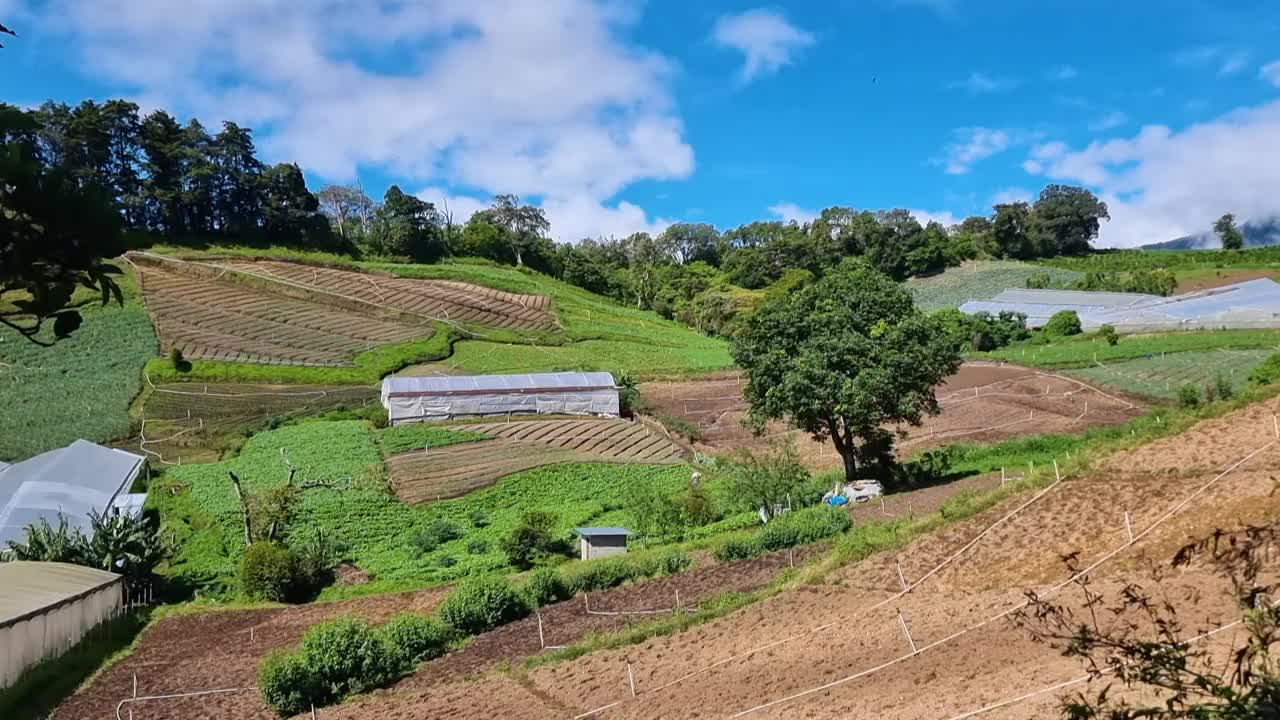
column 69, row 481
column 414, row 399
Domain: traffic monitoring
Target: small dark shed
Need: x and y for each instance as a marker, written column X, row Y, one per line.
column 602, row 541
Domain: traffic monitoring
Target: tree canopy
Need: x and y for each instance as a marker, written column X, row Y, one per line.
column 843, row 359
column 1228, row 233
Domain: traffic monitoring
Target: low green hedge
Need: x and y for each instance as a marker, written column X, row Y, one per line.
column 484, row 603
column 799, row 527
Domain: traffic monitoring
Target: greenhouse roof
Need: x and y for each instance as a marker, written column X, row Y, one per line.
column 69, row 481
column 1254, row 303
column 474, row 384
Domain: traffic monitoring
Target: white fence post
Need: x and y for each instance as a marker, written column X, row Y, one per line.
column 631, row 678
column 901, row 578
column 907, row 632
column 541, row 638
column 1128, row 526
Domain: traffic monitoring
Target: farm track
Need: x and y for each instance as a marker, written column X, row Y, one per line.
column 444, row 299
column 219, row 320
column 455, row 470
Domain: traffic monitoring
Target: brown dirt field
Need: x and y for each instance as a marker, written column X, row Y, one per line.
column 221, row 320
column 980, row 403
column 213, row 650
column 456, row 470
column 444, row 299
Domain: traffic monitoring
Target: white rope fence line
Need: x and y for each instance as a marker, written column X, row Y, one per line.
column 1128, row 405
column 1077, row 680
column 886, row 601
column 206, row 393
column 869, row 671
column 177, row 695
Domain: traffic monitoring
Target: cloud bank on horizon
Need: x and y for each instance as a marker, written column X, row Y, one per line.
column 618, row 117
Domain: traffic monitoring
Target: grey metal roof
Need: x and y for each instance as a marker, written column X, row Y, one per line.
column 597, row 531
column 69, row 481
column 531, row 382
column 27, row 588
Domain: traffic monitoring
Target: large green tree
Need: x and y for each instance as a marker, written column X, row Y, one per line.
column 1228, row 233
column 525, row 226
column 290, row 213
column 1015, row 232
column 1068, row 219
column 844, row 359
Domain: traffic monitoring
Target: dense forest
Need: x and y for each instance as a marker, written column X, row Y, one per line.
column 180, row 183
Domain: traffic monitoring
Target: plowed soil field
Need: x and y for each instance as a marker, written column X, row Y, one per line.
column 210, row 319
column 441, row 299
column 980, row 403
column 455, row 470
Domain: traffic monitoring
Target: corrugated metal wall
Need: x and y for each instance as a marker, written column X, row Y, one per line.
column 47, row 635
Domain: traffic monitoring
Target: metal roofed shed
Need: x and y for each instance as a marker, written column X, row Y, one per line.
column 46, row 608
column 414, row 399
column 602, row 541
column 69, row 481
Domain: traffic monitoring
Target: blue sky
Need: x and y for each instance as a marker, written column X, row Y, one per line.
column 619, row 116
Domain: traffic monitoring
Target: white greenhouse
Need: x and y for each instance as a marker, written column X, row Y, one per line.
column 415, row 399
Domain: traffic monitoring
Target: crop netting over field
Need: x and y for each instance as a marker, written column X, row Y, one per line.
column 1162, row 375
column 979, row 280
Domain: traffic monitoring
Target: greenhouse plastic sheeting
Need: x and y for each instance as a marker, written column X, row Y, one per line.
column 1250, row 304
column 411, row 399
column 70, row 481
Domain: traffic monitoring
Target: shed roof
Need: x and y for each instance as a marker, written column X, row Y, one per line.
column 69, row 481
column 601, row 531
column 463, row 384
column 27, row 588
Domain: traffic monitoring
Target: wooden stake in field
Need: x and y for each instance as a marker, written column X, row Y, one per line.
column 1056, row 475
column 901, row 578
column 1128, row 526
column 1001, row 477
column 631, row 678
column 542, row 640
column 907, row 632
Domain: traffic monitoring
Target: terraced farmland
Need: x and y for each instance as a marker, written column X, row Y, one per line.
column 447, row 300
column 435, row 474
column 1161, row 375
column 192, row 422
column 979, row 280
column 209, row 319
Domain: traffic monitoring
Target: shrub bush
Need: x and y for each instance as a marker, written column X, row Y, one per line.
column 532, row 540
column 418, row 637
column 477, row 546
column 288, row 684
column 600, row 574
column 439, row 532
column 336, row 659
column 1189, row 396
column 1062, row 324
column 1266, row 373
column 737, row 549
column 269, row 572
column 1222, row 383
column 546, row 586
column 1108, row 333
column 483, row 603
column 801, row 527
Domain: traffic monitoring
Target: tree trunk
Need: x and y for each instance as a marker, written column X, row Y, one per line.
column 844, row 446
column 244, row 510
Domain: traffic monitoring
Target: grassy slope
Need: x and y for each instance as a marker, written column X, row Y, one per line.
column 978, row 280
column 376, row 526
column 1162, row 376
column 1082, row 350
column 80, row 387
column 598, row 334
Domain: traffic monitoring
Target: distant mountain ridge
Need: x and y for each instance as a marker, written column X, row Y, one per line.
column 1257, row 233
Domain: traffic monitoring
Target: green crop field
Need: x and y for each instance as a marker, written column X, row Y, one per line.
column 1130, row 260
column 198, row 506
column 79, row 387
column 978, row 280
column 1087, row 350
column 1161, row 376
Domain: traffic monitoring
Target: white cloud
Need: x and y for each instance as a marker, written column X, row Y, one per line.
column 1271, row 72
column 977, row 143
column 1233, row 63
column 791, row 211
column 580, row 217
column 943, row 217
column 1161, row 184
column 765, row 38
column 1012, row 195
column 1064, row 72
column 461, row 207
column 1110, row 121
column 979, row 83
column 544, row 99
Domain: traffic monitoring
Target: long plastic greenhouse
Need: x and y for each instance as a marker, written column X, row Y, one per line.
column 414, row 399
column 1250, row 304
